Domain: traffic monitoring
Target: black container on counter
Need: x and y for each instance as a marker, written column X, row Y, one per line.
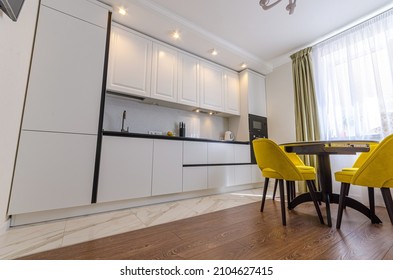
column 182, row 129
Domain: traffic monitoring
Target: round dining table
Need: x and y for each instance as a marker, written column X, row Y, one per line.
column 323, row 150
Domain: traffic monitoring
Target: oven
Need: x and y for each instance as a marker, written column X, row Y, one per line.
column 257, row 129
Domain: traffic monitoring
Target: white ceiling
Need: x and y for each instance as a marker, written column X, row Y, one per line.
column 240, row 30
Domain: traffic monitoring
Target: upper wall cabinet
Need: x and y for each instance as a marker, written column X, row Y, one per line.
column 212, row 86
column 130, row 57
column 256, row 94
column 188, row 80
column 232, row 93
column 164, row 73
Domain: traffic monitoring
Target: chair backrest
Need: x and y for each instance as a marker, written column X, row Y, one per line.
column 269, row 155
column 293, row 157
column 377, row 170
column 363, row 156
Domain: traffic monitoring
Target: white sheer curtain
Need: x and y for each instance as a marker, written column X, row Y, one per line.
column 354, row 81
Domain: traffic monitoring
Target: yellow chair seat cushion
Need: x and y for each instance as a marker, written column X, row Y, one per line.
column 308, row 173
column 345, row 175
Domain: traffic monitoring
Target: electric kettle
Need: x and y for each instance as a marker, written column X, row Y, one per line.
column 228, row 136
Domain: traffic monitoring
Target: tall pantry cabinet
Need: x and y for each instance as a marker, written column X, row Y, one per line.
column 56, row 154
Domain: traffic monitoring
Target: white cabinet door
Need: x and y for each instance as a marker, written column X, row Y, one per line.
column 256, row 94
column 194, row 152
column 53, row 171
column 167, row 167
column 65, row 82
column 256, row 174
column 232, row 93
column 243, row 174
column 164, row 73
column 242, row 153
column 125, row 169
column 219, row 153
column 212, row 87
column 194, row 178
column 129, row 69
column 221, row 176
column 188, row 80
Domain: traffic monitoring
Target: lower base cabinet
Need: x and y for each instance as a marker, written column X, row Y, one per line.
column 221, row 176
column 125, row 169
column 243, row 174
column 167, row 167
column 194, row 178
column 53, row 171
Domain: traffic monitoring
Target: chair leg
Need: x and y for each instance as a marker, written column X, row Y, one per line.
column 266, row 185
column 282, row 202
column 387, row 197
column 312, row 190
column 341, row 203
column 275, row 188
column 289, row 190
column 371, row 201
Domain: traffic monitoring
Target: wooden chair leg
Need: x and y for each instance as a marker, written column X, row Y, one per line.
column 341, row 203
column 289, row 191
column 371, row 201
column 275, row 188
column 266, row 185
column 312, row 190
column 282, row 202
column 387, row 197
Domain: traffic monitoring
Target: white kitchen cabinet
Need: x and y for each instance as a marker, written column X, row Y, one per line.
column 256, row 94
column 56, row 153
column 53, row 171
column 243, row 174
column 194, row 177
column 220, row 153
column 129, row 67
column 256, row 174
column 212, row 86
column 164, row 73
column 221, row 176
column 232, row 93
column 167, row 167
column 188, row 80
column 125, row 169
column 64, row 91
column 194, row 152
column 242, row 153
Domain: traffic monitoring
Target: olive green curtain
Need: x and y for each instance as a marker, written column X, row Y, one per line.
column 306, row 114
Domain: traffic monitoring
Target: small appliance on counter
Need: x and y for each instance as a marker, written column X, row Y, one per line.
column 228, row 136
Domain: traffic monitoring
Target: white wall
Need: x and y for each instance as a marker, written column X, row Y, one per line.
column 280, row 104
column 15, row 51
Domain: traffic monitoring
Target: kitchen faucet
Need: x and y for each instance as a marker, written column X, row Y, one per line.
column 122, row 122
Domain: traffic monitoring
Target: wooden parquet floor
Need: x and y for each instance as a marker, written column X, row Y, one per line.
column 244, row 233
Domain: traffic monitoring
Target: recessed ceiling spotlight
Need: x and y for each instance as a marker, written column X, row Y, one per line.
column 122, row 11
column 175, row 34
column 243, row 65
column 213, row 52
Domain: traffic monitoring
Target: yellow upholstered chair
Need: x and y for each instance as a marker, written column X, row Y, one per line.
column 275, row 163
column 290, row 187
column 376, row 171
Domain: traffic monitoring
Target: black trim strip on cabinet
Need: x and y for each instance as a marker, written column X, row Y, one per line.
column 214, row 164
column 101, row 117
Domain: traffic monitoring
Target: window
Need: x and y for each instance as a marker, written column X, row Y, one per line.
column 354, row 81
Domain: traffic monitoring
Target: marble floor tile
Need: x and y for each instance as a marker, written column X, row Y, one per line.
column 24, row 240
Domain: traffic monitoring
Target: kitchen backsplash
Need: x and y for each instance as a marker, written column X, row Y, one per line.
column 142, row 118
